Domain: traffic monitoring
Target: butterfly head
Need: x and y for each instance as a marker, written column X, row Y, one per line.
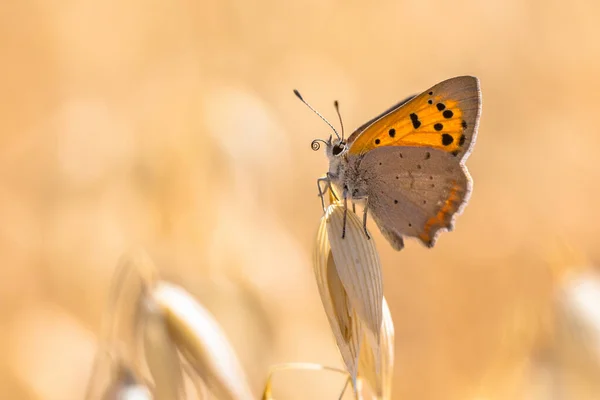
column 337, row 148
column 333, row 147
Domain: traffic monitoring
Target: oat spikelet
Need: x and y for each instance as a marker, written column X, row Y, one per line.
column 376, row 363
column 202, row 342
column 358, row 266
column 117, row 342
column 343, row 319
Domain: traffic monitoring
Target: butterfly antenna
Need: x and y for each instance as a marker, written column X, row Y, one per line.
column 337, row 109
column 297, row 93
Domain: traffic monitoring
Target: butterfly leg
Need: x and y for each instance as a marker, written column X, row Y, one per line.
column 345, row 194
column 323, row 191
column 365, row 219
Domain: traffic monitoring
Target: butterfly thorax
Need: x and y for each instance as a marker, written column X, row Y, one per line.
column 346, row 176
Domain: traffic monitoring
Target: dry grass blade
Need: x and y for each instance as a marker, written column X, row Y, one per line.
column 268, row 392
column 343, row 320
column 376, row 363
column 202, row 342
column 358, row 266
column 161, row 355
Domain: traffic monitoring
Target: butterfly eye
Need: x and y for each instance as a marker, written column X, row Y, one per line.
column 338, row 148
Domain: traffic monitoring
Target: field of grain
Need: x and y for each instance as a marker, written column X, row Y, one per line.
column 172, row 127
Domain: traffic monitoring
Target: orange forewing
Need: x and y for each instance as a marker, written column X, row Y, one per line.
column 443, row 117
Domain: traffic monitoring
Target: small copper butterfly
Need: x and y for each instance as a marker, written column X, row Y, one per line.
column 407, row 164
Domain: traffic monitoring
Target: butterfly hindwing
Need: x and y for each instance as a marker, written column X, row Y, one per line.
column 413, row 191
column 445, row 117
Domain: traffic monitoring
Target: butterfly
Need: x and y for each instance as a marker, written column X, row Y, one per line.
column 406, row 165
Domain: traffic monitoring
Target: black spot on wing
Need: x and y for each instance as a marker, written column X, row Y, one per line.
column 415, row 120
column 447, row 139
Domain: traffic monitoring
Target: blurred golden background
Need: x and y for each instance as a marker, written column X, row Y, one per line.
column 172, row 126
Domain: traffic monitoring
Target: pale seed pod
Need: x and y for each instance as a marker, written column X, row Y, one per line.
column 376, row 362
column 202, row 343
column 358, row 266
column 343, row 320
column 161, row 354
